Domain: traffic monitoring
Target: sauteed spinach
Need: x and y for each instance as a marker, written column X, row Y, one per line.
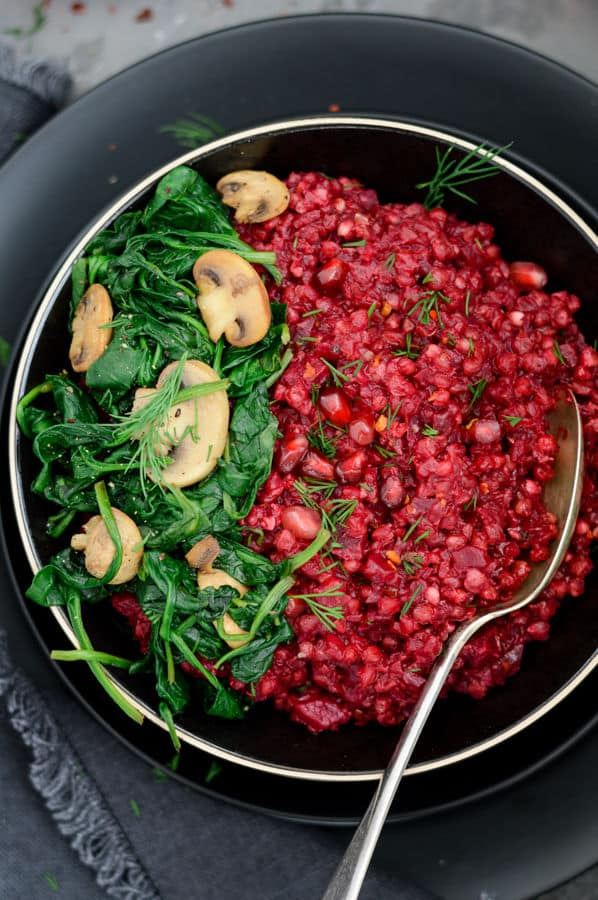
column 84, row 432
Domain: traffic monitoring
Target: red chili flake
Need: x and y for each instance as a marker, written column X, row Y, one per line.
column 77, row 7
column 112, row 147
column 112, row 8
column 144, row 15
column 334, row 107
column 228, row 3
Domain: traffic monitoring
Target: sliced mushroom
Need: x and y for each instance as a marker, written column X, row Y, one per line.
column 100, row 551
column 90, row 337
column 201, row 556
column 256, row 196
column 195, row 431
column 232, row 298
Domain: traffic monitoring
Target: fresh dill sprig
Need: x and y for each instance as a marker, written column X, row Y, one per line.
column 513, row 420
column 343, row 375
column 428, row 431
column 412, row 528
column 452, row 173
column 476, row 390
column 5, row 350
column 412, row 563
column 360, row 243
column 467, row 301
column 391, row 414
column 318, row 438
column 407, row 606
column 334, row 512
column 556, row 349
column 472, row 502
column 147, row 424
column 308, row 486
column 389, row 262
column 428, row 303
column 409, row 352
column 39, row 20
column 194, row 131
column 327, row 615
column 371, row 310
column 384, row 452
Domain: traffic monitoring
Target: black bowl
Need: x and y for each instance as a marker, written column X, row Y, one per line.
column 531, row 223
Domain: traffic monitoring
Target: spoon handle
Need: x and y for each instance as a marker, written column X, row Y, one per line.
column 348, row 878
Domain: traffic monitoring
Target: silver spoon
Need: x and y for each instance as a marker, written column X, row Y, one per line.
column 562, row 495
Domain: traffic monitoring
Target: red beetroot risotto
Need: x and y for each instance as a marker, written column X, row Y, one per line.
column 412, row 421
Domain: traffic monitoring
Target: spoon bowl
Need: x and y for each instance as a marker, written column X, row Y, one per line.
column 562, row 495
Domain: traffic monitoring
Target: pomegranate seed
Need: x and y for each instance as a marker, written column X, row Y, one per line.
column 331, row 276
column 351, row 468
column 527, row 275
column 315, row 466
column 292, row 450
column 392, row 492
column 303, row 523
column 361, row 428
column 335, row 406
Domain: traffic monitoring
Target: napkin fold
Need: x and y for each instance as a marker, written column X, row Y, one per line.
column 30, row 92
column 61, row 774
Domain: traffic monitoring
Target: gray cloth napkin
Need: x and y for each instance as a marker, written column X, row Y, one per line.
column 82, row 816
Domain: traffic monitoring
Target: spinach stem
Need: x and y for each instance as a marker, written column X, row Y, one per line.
column 91, row 656
column 112, row 529
column 266, row 607
column 191, row 658
column 44, row 388
column 74, row 611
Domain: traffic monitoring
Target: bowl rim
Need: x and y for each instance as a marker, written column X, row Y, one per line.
column 45, row 303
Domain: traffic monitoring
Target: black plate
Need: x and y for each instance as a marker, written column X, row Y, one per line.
column 413, row 69
column 391, row 159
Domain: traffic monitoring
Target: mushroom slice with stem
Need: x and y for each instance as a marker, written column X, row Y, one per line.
column 90, row 336
column 200, row 557
column 232, row 298
column 255, row 196
column 193, row 435
column 99, row 549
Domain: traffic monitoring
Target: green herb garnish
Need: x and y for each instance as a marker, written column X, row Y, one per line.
column 327, row 615
column 412, row 528
column 193, row 131
column 52, row 881
column 472, row 502
column 476, row 390
column 451, row 174
column 5, row 350
column 412, row 563
column 427, row 304
column 409, row 352
column 39, row 20
column 407, row 606
column 556, row 349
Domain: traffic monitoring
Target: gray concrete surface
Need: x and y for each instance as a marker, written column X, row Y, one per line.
column 98, row 38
